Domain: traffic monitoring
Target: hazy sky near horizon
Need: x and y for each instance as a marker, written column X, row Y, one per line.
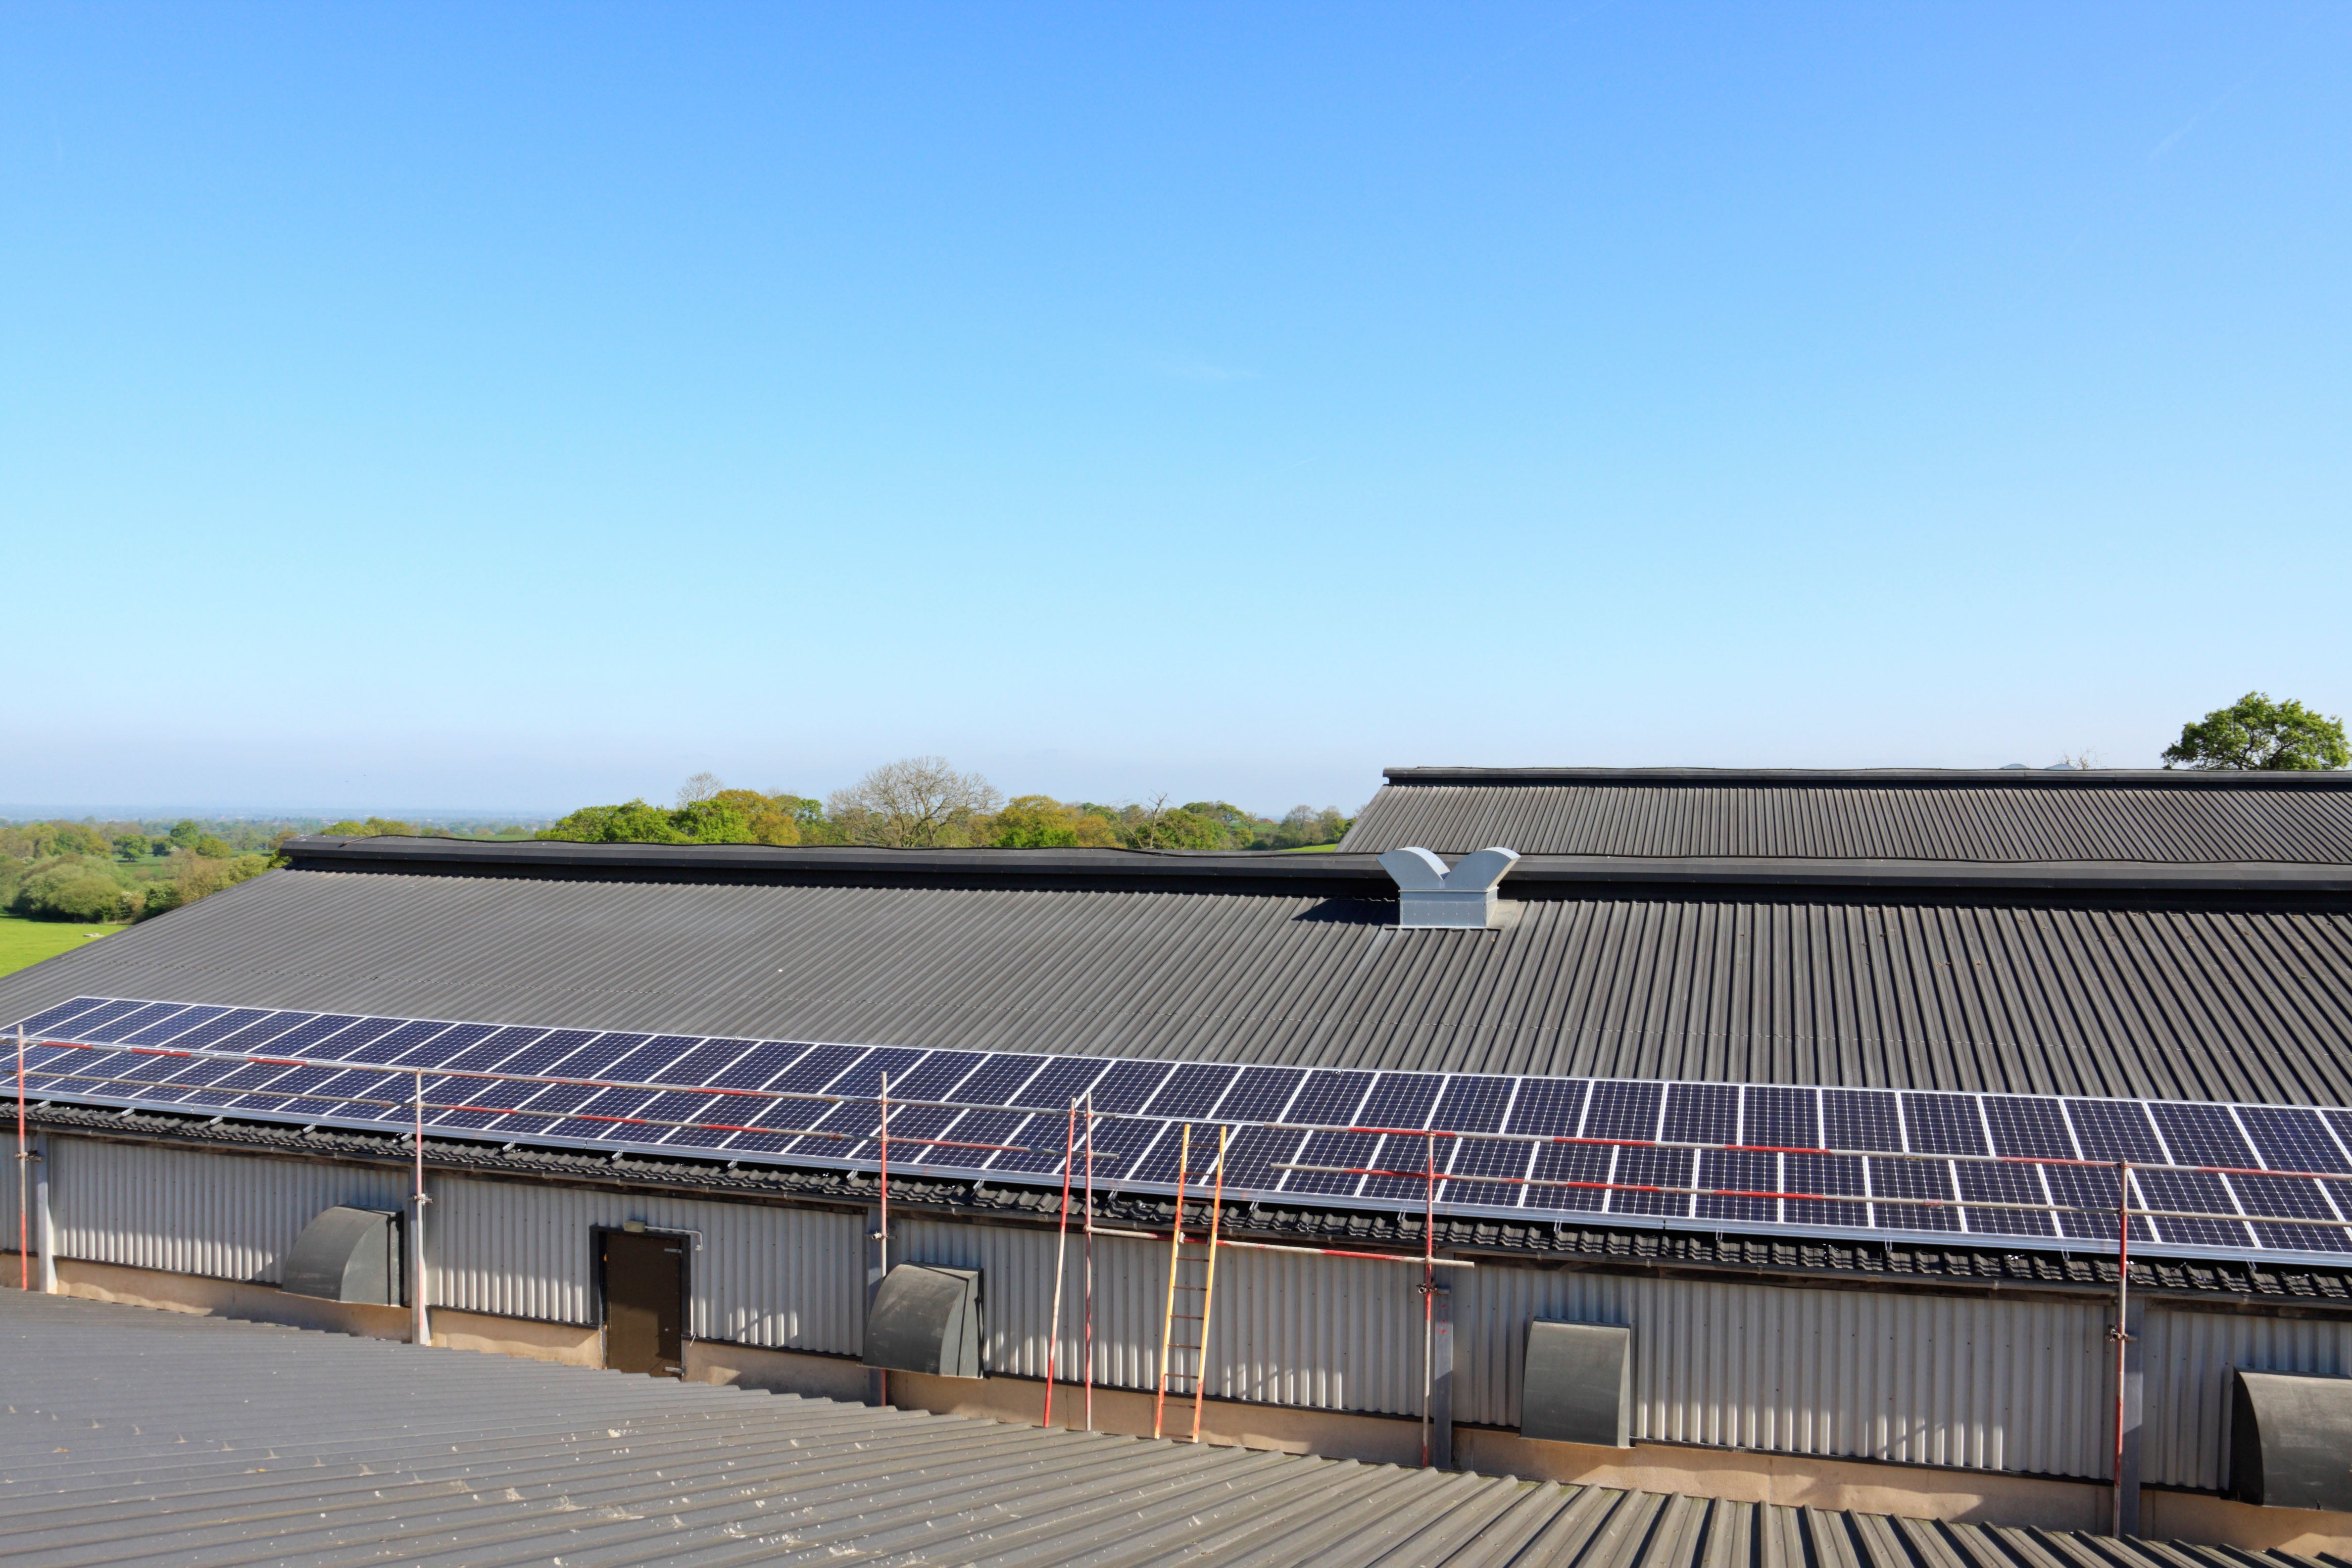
column 503, row 406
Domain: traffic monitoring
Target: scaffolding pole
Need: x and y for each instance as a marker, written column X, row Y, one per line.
column 1090, row 1260
column 1061, row 1262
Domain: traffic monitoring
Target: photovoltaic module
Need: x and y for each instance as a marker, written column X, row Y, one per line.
column 1911, row 1164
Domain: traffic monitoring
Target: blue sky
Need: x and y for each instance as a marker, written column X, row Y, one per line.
column 406, row 406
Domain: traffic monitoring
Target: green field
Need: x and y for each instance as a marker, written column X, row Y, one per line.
column 24, row 941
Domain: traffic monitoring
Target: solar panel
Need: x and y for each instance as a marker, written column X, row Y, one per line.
column 1985, row 1185
column 259, row 1033
column 1571, row 1176
column 1345, row 1151
column 1477, row 1157
column 1124, row 1086
column 1908, row 1162
column 1259, row 1094
column 1702, row 1113
column 1822, row 1178
column 126, row 1023
column 1330, row 1098
column 173, row 1024
column 1740, row 1171
column 1405, row 1152
column 1061, row 1080
column 1780, row 1118
column 2198, row 1192
column 996, row 1081
column 1645, row 1168
column 937, row 1075
column 1912, row 1179
column 1549, row 1107
column 2290, row 1138
column 1192, row 1090
column 1943, row 1124
column 978, row 1128
column 1041, row 1137
column 1860, row 1118
column 1473, row 1104
column 1623, row 1110
column 2201, row 1135
column 1254, row 1153
column 2088, row 1193
column 1401, row 1100
column 2277, row 1199
column 2028, row 1126
column 863, row 1075
column 2112, row 1130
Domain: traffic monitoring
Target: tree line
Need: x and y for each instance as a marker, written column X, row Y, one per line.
column 925, row 802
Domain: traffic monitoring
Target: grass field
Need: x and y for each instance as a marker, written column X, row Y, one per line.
column 24, row 941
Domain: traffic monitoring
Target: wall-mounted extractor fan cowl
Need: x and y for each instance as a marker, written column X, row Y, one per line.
column 1431, row 897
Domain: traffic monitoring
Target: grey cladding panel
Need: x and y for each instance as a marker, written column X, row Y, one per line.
column 2291, row 1440
column 348, row 1254
column 926, row 1320
column 2142, row 821
column 1579, row 1383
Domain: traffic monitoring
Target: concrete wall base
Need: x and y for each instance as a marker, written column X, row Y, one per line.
column 777, row 1371
column 1378, row 1439
column 1792, row 1479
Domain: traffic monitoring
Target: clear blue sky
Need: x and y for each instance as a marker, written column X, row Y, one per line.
column 495, row 406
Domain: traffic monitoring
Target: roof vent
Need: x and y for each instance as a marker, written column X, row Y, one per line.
column 1430, row 896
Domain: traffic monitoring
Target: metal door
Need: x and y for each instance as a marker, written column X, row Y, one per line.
column 643, row 1278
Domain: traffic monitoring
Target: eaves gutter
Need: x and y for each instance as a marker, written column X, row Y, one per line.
column 2303, row 780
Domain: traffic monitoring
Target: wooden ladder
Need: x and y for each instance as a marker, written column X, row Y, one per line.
column 1202, row 1260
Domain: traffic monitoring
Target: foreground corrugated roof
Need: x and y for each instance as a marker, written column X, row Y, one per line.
column 2196, row 1003
column 166, row 1438
column 1999, row 817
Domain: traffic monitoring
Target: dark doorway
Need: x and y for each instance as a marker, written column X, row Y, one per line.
column 644, row 1276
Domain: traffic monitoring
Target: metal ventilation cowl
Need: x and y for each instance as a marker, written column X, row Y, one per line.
column 1431, row 897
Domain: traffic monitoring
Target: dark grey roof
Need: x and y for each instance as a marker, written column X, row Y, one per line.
column 2190, row 999
column 176, row 1439
column 1960, row 815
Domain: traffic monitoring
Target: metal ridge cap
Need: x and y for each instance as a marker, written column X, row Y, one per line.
column 1867, row 778
column 318, row 852
column 2268, row 876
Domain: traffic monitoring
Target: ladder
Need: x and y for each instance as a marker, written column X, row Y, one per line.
column 1197, row 1286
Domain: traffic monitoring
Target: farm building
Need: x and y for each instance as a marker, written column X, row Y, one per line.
column 1772, row 1137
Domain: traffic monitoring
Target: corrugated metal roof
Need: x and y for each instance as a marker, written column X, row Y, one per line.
column 170, row 1439
column 2193, row 1002
column 2167, row 819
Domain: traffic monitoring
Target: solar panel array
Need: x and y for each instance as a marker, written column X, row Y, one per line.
column 1814, row 1160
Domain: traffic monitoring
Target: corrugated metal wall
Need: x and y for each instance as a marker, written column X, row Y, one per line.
column 224, row 1216
column 784, row 1278
column 8, row 1212
column 2189, row 1356
column 1930, row 1380
column 1327, row 1333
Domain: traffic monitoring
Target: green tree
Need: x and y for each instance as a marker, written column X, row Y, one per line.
column 2257, row 733
column 631, row 822
column 131, row 845
column 1041, row 822
column 71, row 890
column 185, row 832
